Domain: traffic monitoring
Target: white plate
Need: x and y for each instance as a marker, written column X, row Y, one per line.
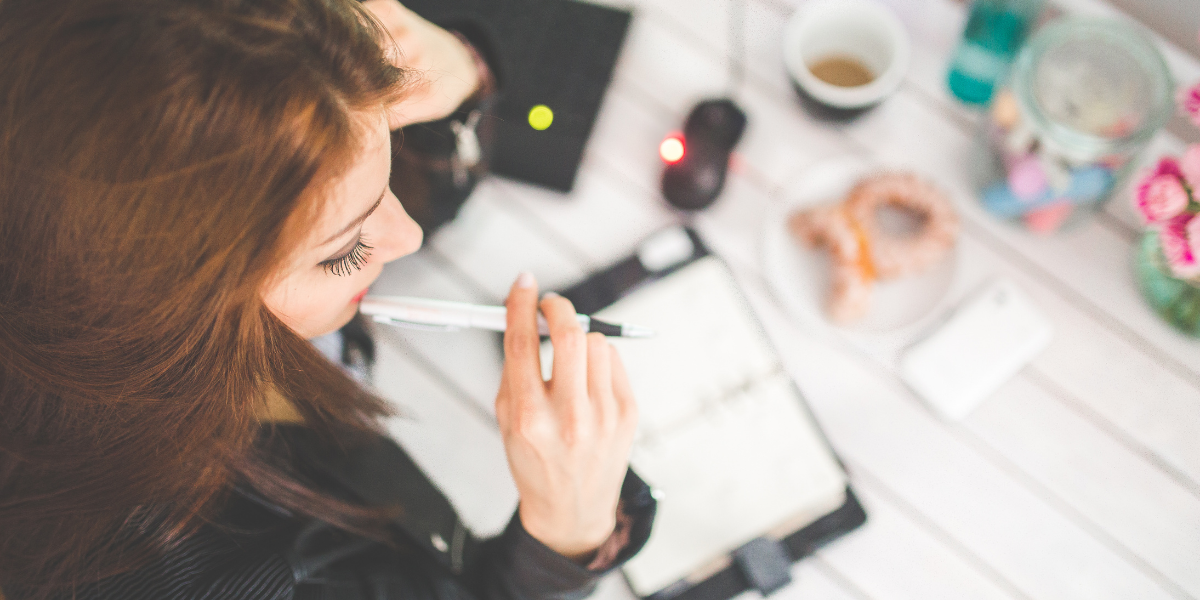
column 800, row 276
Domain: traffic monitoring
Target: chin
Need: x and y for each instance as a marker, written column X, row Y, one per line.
column 345, row 317
column 334, row 324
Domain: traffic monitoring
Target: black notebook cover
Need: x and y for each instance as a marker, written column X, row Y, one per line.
column 557, row 53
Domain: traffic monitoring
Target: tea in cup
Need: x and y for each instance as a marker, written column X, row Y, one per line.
column 845, row 56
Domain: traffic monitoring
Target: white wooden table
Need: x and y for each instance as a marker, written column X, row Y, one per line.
column 1079, row 479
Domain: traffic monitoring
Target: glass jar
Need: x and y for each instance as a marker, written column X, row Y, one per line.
column 1084, row 97
column 1175, row 300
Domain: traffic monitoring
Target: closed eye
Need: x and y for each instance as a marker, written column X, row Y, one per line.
column 351, row 260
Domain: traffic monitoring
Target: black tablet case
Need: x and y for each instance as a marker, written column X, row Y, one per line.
column 752, row 566
column 559, row 53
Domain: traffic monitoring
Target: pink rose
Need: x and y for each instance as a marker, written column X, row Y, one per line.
column 1180, row 251
column 1167, row 165
column 1189, row 164
column 1189, row 101
column 1161, row 197
column 1192, row 231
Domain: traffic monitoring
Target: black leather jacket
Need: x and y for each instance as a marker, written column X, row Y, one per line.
column 261, row 551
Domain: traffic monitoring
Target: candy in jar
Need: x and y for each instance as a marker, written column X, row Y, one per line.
column 1084, row 97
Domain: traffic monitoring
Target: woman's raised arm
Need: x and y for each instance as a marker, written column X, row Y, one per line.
column 443, row 66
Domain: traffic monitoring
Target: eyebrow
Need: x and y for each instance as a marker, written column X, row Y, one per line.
column 360, row 219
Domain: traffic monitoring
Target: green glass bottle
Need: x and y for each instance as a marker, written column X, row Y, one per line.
column 994, row 33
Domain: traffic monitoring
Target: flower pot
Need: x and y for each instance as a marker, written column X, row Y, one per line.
column 1175, row 299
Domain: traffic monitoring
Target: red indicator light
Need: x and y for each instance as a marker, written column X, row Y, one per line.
column 671, row 149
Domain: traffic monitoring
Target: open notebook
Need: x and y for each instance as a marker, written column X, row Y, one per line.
column 724, row 436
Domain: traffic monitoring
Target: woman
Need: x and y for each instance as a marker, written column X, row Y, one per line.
column 189, row 189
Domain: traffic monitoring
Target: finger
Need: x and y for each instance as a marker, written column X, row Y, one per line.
column 391, row 14
column 600, row 377
column 522, row 365
column 599, row 362
column 503, row 405
column 627, row 408
column 410, row 18
column 569, row 372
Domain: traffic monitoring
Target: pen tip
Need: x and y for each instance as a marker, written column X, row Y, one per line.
column 636, row 331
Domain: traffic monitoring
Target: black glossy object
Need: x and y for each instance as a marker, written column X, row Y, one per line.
column 560, row 53
column 711, row 131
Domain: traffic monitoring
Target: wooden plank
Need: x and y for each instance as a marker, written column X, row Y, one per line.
column 660, row 61
column 1109, row 378
column 628, row 131
column 469, row 361
column 708, row 22
column 677, row 68
column 812, row 582
column 898, row 556
column 423, row 274
column 886, row 436
column 1112, row 381
column 492, row 246
column 602, row 220
column 637, row 117
column 460, row 452
column 1140, row 510
column 732, row 227
column 809, row 582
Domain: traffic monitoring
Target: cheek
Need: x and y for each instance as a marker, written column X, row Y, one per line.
column 312, row 304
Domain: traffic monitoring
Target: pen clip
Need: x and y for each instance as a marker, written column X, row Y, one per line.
column 412, row 325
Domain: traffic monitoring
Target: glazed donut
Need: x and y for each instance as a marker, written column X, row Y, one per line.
column 908, row 255
column 860, row 252
column 852, row 272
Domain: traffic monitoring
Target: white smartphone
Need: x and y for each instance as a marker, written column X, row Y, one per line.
column 986, row 341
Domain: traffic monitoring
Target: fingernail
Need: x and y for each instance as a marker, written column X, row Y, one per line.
column 526, row 280
column 550, row 295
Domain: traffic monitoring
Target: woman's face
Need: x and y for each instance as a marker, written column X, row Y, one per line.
column 361, row 226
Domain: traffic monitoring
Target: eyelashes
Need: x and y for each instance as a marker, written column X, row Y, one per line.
column 351, row 261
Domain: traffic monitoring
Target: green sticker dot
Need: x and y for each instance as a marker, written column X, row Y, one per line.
column 540, row 117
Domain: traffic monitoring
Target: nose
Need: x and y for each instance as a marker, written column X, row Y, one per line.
column 400, row 235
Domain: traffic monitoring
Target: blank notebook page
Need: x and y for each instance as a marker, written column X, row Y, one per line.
column 724, row 435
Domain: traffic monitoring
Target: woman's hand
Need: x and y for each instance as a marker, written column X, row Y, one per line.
column 567, row 439
column 445, row 68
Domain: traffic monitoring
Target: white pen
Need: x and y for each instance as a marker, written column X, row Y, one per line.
column 443, row 315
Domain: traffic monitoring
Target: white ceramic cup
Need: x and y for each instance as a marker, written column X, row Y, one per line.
column 862, row 29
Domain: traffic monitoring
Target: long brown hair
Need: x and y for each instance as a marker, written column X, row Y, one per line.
column 157, row 158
